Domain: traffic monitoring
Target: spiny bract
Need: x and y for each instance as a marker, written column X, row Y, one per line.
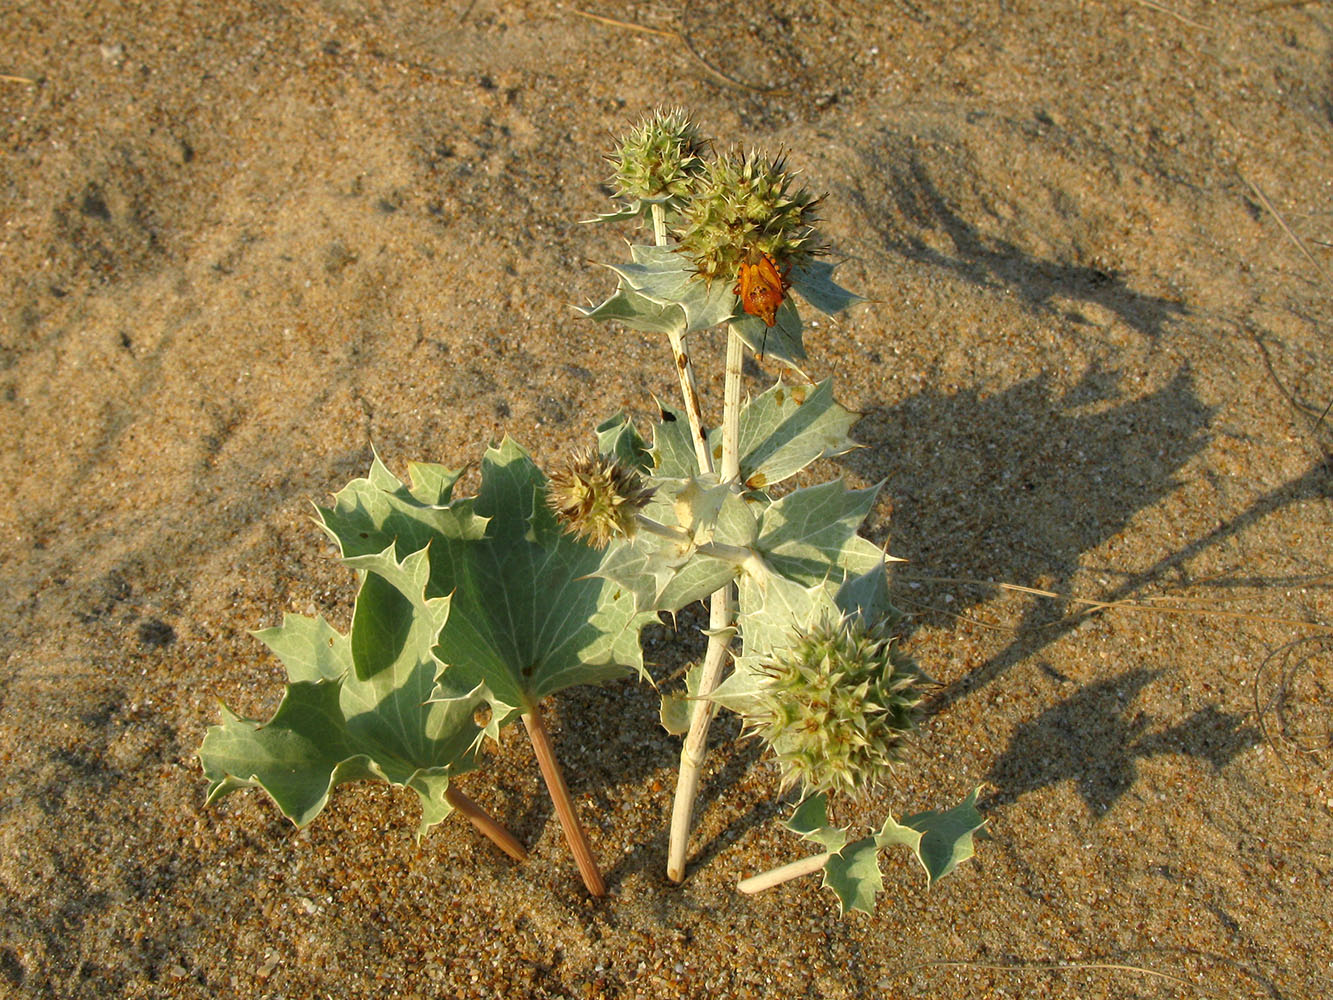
column 597, row 498
column 744, row 205
column 839, row 704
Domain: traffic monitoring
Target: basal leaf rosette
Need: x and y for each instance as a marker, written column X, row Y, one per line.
column 527, row 617
column 469, row 612
column 368, row 704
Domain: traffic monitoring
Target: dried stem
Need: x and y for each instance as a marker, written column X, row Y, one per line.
column 485, row 822
column 721, row 621
column 776, row 876
column 564, row 806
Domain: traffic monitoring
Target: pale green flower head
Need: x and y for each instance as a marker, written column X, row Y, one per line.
column 659, row 160
column 597, row 498
column 839, row 705
column 743, row 206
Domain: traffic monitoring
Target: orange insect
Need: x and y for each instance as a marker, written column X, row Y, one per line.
column 761, row 286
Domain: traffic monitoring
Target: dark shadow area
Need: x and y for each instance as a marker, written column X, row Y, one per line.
column 995, row 487
column 1091, row 739
column 897, row 173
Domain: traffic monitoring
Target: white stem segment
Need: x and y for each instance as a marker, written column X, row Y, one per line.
column 768, row 879
column 689, row 390
column 721, row 621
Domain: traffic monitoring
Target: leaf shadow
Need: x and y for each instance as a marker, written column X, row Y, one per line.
column 1015, row 486
column 1092, row 739
column 911, row 197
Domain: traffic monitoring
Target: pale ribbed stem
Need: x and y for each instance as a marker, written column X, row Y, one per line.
column 776, row 876
column 721, row 621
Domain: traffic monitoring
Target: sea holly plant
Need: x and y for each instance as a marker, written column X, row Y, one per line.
column 472, row 610
column 789, row 578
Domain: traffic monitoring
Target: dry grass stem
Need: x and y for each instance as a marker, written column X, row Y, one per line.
column 671, row 33
column 1291, row 235
column 1161, row 8
column 1127, row 605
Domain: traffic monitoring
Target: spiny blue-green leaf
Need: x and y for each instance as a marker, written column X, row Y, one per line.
column 310, row 648
column 617, row 436
column 297, row 757
column 334, row 726
column 637, row 311
column 813, row 280
column 384, row 698
column 782, row 340
column 781, row 432
column 665, row 574
column 677, row 711
column 361, row 508
column 788, row 427
column 810, row 534
column 939, row 840
column 673, row 448
column 527, row 618
column 810, row 822
column 675, row 714
column 854, row 876
column 667, row 278
column 946, row 837
column 638, row 208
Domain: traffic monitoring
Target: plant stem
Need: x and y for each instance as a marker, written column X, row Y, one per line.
column 721, row 621
column 564, row 806
column 689, row 391
column 485, row 822
column 768, row 879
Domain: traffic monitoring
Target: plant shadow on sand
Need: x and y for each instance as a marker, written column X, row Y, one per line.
column 977, row 493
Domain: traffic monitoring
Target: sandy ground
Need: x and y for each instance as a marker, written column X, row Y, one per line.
column 241, row 242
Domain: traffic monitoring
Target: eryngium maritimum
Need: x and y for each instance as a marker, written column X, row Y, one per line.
column 840, row 703
column 597, row 498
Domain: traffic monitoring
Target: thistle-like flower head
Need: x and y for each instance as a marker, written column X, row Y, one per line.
column 659, row 160
column 746, row 206
column 597, row 498
column 840, row 703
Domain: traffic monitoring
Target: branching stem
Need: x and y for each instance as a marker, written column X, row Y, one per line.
column 564, row 805
column 689, row 391
column 721, row 620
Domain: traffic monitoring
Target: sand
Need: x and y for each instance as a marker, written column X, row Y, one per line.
column 242, row 243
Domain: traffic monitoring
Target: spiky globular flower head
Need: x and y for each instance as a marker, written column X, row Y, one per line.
column 659, row 160
column 840, row 703
column 596, row 498
column 746, row 206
